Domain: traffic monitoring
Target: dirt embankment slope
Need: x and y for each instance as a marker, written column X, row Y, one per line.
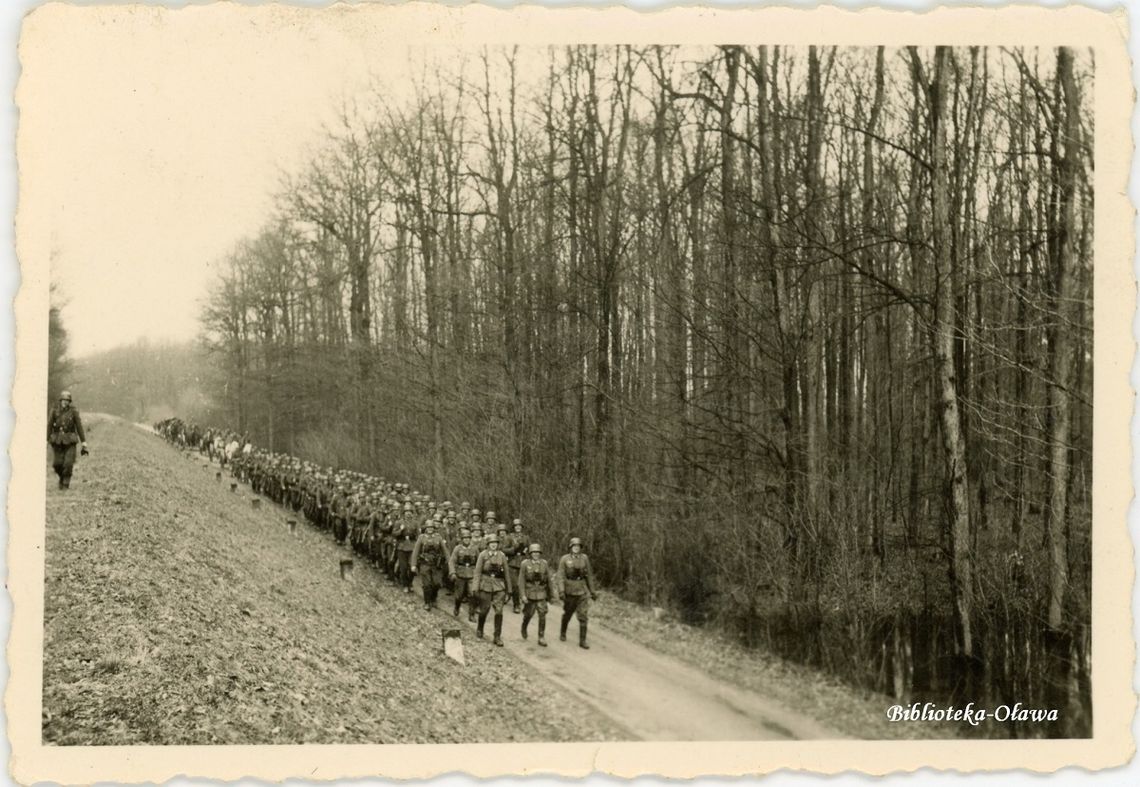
column 176, row 614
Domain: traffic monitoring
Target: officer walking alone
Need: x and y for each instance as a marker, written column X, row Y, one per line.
column 65, row 431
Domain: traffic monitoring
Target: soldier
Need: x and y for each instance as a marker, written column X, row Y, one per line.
column 338, row 509
column 577, row 581
column 372, row 530
column 406, row 535
column 537, row 583
column 388, row 546
column 429, row 556
column 461, row 568
column 504, row 542
column 516, row 552
column 65, row 430
column 492, row 582
column 450, row 533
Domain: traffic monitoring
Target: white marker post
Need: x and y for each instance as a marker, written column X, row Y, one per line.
column 453, row 645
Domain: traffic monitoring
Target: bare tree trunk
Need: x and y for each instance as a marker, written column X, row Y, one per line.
column 1060, row 378
column 953, row 445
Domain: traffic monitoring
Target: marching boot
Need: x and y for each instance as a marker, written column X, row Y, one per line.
column 499, row 629
column 542, row 630
column 582, row 635
column 525, row 623
column 456, row 612
column 565, row 623
column 482, row 622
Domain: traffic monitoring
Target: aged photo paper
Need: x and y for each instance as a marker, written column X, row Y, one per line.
column 769, row 333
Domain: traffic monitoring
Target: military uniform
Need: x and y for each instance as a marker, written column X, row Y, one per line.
column 388, row 544
column 492, row 582
column 65, row 432
column 406, row 534
column 516, row 554
column 536, row 584
column 461, row 566
column 577, row 581
column 339, row 512
column 429, row 557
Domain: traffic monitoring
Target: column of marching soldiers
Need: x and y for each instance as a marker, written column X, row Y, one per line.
column 405, row 533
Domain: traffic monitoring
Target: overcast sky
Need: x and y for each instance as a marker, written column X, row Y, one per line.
column 164, row 136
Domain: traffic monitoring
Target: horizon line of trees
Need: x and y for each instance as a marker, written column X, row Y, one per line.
column 798, row 339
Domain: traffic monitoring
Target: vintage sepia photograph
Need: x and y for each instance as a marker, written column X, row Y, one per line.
column 491, row 390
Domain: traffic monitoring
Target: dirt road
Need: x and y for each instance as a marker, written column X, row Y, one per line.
column 654, row 697
column 640, row 693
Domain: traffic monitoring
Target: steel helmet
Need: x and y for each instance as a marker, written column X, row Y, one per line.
column 534, row 548
column 475, row 512
column 429, row 525
column 575, row 542
column 492, row 539
column 517, row 523
column 490, row 514
column 65, row 395
column 465, row 506
column 437, row 517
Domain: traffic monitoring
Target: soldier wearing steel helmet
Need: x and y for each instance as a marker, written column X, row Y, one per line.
column 461, row 568
column 537, row 583
column 65, row 431
column 406, row 534
column 429, row 556
column 492, row 582
column 577, row 580
column 516, row 549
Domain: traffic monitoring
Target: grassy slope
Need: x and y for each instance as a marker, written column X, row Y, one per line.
column 175, row 614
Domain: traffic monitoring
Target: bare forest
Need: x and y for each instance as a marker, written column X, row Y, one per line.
column 798, row 340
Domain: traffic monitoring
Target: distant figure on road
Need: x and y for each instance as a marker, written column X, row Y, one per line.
column 65, row 431
column 577, row 581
